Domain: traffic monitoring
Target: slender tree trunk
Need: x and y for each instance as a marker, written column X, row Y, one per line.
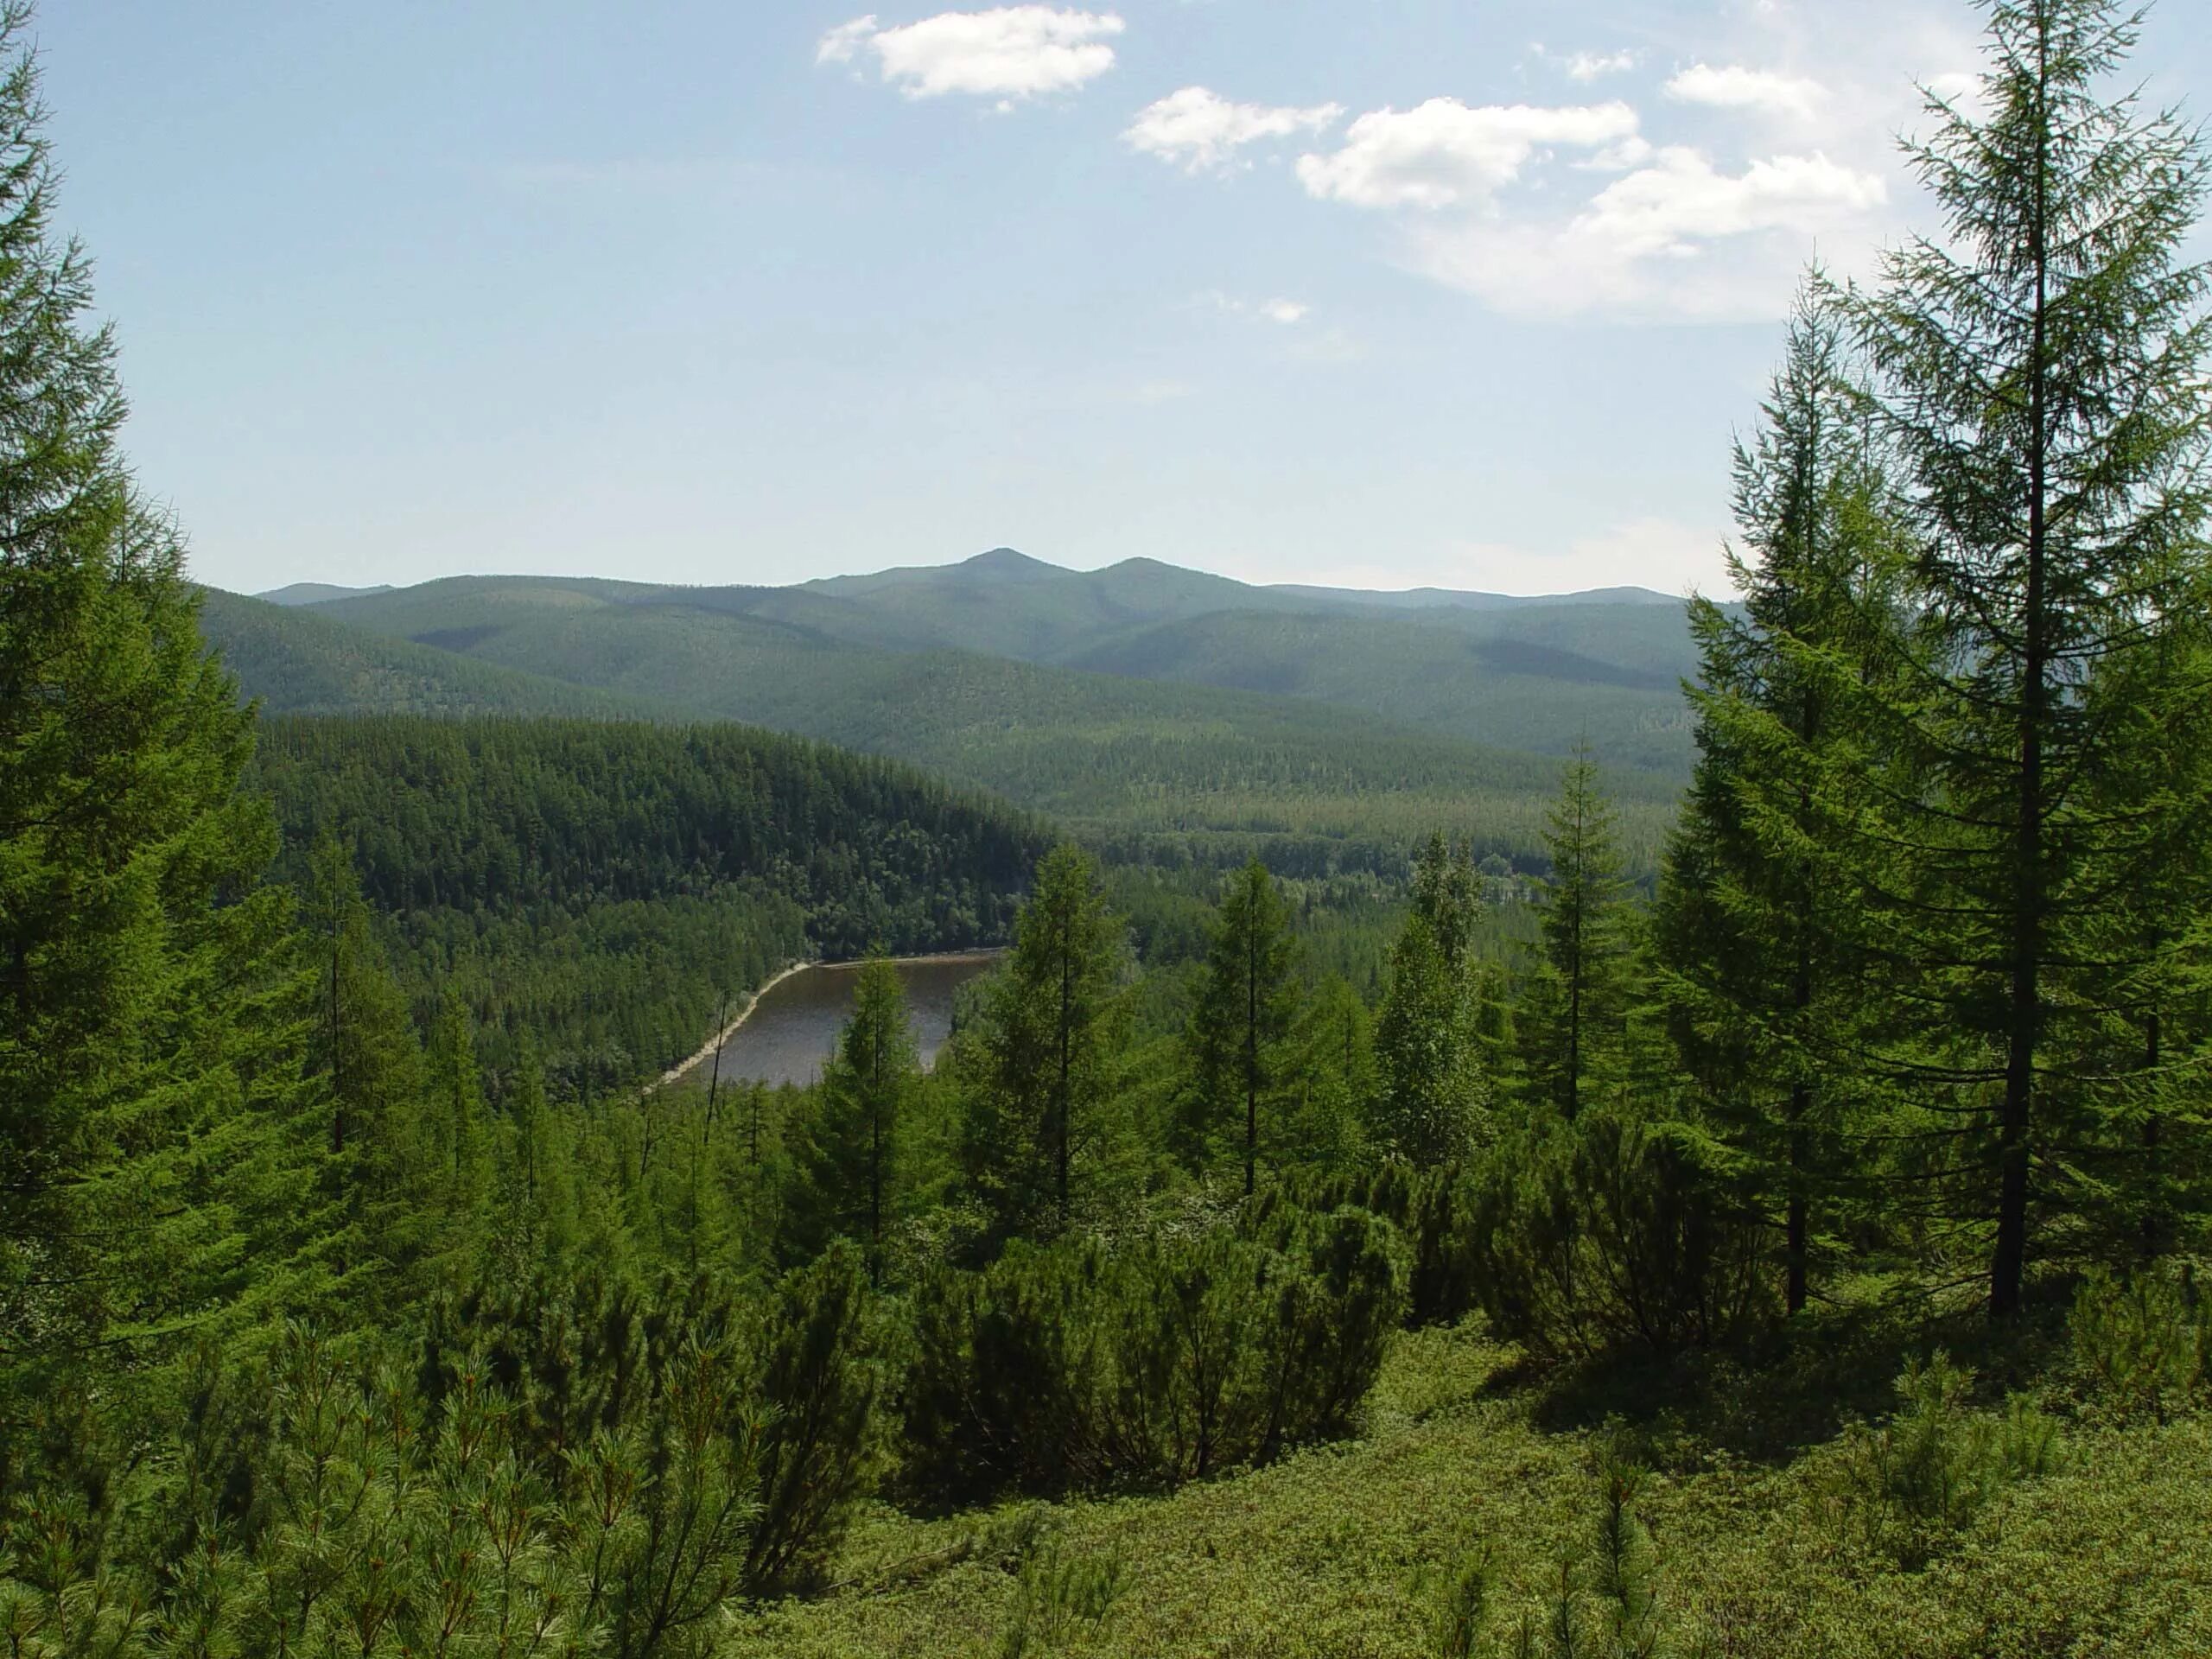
column 1067, row 1037
column 1251, row 1058
column 2008, row 1264
column 1797, row 1224
column 2152, row 1230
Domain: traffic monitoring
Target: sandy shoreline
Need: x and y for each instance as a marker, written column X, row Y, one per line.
column 706, row 1052
column 676, row 1074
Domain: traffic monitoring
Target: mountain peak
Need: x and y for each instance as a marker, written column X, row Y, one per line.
column 1009, row 562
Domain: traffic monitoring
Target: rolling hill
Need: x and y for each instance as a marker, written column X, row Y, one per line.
column 1193, row 770
column 1533, row 675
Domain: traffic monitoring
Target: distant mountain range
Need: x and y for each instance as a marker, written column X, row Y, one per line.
column 1143, row 694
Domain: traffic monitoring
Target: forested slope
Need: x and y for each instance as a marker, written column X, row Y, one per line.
column 297, row 662
column 600, row 886
column 1193, row 770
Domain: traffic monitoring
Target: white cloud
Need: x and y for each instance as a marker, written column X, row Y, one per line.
column 1201, row 131
column 1443, row 153
column 1012, row 53
column 1647, row 243
column 1683, row 200
column 1732, row 86
column 1284, row 311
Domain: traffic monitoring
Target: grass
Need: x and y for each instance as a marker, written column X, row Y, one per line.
column 1363, row 1550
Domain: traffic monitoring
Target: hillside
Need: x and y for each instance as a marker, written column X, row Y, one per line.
column 297, row 661
column 1534, row 675
column 1209, row 768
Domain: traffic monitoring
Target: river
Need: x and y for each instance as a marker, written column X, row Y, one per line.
column 792, row 1028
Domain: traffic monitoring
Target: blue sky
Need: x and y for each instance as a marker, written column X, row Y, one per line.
column 1383, row 292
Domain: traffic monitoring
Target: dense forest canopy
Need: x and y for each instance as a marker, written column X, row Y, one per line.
column 1785, row 1236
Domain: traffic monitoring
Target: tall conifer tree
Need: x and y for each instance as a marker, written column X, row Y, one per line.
column 2040, row 373
column 1039, row 1064
column 1570, row 1020
column 1241, row 1052
column 148, row 1031
column 1750, row 953
column 846, row 1166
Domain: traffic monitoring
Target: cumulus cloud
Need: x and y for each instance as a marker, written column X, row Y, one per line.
column 1732, row 86
column 1643, row 245
column 1443, row 153
column 1682, row 199
column 1011, row 52
column 1202, row 132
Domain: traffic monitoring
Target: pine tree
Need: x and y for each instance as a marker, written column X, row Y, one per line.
column 1570, row 1019
column 1239, row 1040
column 147, row 1042
column 1751, row 959
column 2040, row 374
column 1039, row 1066
column 846, row 1167
column 1429, row 1046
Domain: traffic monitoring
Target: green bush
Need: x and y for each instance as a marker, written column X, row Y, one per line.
column 1168, row 1360
column 2144, row 1343
column 1613, row 1233
column 1907, row 1488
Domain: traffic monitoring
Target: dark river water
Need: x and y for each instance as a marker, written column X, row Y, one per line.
column 792, row 1029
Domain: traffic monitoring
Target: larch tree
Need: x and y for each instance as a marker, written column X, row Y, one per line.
column 1432, row 1084
column 1750, row 960
column 149, row 1036
column 2039, row 369
column 846, row 1165
column 1241, row 1055
column 1570, row 1019
column 1039, row 1063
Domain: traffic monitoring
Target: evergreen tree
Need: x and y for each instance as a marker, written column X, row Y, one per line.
column 846, row 1166
column 382, row 1157
column 1752, row 959
column 2040, row 375
column 1039, row 1064
column 1429, row 1046
column 1239, row 1040
column 148, row 1042
column 1570, row 1019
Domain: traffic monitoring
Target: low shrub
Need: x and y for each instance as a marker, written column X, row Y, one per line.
column 1168, row 1359
column 1906, row 1488
column 2143, row 1343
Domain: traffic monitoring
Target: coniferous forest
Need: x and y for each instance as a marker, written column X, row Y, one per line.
column 1783, row 1239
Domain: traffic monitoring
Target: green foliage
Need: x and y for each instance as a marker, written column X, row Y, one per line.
column 1911, row 1486
column 2143, row 1341
column 1039, row 1063
column 1433, row 1097
column 1616, row 1232
column 2002, row 835
column 846, row 1164
column 1241, row 1033
column 595, row 888
column 150, row 1103
column 1169, row 1359
column 1571, row 1017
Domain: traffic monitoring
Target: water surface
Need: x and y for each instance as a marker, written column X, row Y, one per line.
column 792, row 1029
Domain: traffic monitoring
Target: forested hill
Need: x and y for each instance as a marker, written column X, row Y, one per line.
column 602, row 884
column 1539, row 677
column 294, row 661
